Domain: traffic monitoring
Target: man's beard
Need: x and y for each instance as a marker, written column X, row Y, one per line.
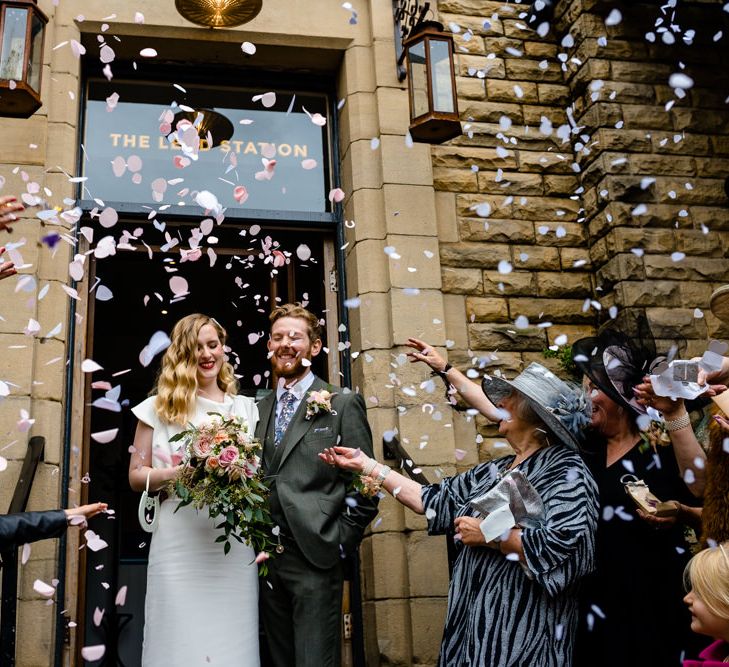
column 294, row 369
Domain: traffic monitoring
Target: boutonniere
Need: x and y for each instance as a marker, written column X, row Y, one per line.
column 319, row 402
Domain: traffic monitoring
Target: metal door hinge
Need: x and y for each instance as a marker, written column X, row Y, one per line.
column 347, row 626
column 333, row 281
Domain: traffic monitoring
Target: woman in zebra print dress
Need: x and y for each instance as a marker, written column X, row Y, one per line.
column 512, row 602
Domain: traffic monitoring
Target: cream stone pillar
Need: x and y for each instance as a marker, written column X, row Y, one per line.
column 38, row 150
column 393, row 266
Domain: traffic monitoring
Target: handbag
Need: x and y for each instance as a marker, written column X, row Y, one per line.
column 148, row 511
column 641, row 495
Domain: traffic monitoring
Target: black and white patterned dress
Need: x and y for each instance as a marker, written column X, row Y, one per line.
column 497, row 615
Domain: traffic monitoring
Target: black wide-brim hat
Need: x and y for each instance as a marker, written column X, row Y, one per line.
column 563, row 407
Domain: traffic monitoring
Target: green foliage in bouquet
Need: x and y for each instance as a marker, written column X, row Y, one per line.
column 221, row 470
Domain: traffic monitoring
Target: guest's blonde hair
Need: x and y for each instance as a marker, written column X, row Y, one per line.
column 707, row 575
column 176, row 385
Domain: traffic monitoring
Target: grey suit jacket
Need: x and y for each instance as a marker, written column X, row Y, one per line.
column 311, row 494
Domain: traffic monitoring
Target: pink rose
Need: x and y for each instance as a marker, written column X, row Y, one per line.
column 202, row 447
column 228, row 456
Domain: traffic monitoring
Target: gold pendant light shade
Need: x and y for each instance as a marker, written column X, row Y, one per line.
column 219, row 13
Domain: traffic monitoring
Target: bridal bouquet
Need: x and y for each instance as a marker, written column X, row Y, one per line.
column 221, row 469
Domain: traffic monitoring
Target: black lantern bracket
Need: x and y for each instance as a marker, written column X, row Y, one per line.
column 407, row 14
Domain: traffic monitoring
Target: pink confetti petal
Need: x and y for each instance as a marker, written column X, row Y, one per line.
column 94, row 542
column 92, row 653
column 25, row 555
column 108, row 218
column 309, row 163
column 90, row 366
column 179, row 286
column 248, row 48
column 105, row 437
column 240, row 194
column 148, row 53
column 43, row 589
column 121, row 597
column 267, row 99
column 336, row 195
column 118, row 166
column 98, row 616
column 3, row 464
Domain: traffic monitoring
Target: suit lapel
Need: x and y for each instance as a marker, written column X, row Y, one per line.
column 265, row 408
column 299, row 425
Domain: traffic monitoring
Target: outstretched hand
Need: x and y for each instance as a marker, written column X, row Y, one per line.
column 645, row 395
column 346, row 458
column 7, row 269
column 426, row 354
column 722, row 421
column 9, row 206
column 85, row 511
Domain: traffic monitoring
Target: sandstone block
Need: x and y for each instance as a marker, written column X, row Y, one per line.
column 470, row 88
column 361, row 168
column 551, row 93
column 540, row 49
column 455, row 180
column 468, row 64
column 513, row 182
column 549, row 310
column 480, row 255
column 559, row 185
column 390, row 582
column 370, row 323
column 521, row 283
column 535, row 257
column 461, row 281
column 393, row 631
column 445, row 212
column 417, row 266
column 427, row 619
column 454, row 307
column 546, row 208
column 649, row 293
column 667, row 322
column 365, row 209
column 508, row 91
column 505, row 337
column 690, row 268
column 695, row 242
column 393, row 111
column 411, row 209
column 465, row 158
column 625, row 266
column 367, row 269
column 560, row 284
column 500, row 231
column 403, row 164
column 417, row 315
column 481, row 309
column 574, row 259
column 358, row 119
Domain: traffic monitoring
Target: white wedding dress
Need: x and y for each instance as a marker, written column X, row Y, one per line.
column 202, row 605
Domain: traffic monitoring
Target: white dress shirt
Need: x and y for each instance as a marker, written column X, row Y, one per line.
column 298, row 390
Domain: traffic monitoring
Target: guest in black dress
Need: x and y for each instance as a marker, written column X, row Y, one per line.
column 631, row 609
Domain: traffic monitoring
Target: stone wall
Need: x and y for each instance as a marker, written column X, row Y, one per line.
column 540, row 202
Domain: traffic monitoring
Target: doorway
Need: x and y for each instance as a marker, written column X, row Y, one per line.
column 130, row 299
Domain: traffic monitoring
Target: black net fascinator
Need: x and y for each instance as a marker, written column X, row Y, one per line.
column 617, row 359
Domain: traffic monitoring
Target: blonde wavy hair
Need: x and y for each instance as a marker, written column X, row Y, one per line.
column 176, row 385
column 707, row 575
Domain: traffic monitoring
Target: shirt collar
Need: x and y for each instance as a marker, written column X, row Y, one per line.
column 299, row 389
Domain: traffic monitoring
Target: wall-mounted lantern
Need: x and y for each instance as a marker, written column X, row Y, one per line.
column 431, row 84
column 219, row 13
column 22, row 28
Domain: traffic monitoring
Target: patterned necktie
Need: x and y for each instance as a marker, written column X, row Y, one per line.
column 284, row 417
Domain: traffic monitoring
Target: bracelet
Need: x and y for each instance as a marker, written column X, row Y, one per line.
column 677, row 424
column 384, row 472
column 369, row 468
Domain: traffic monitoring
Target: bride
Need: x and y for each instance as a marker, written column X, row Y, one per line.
column 201, row 605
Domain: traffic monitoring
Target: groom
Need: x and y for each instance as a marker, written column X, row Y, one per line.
column 301, row 597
